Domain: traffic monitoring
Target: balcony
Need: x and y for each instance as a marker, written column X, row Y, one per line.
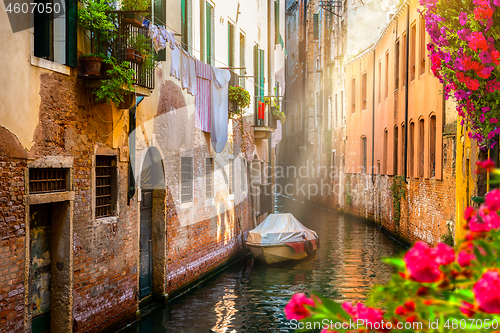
column 128, row 29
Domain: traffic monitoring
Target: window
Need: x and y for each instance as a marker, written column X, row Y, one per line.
column 364, row 150
column 160, row 15
column 105, row 185
column 353, row 94
column 421, row 133
column 363, row 91
column 379, row 81
column 316, row 26
column 432, row 146
column 413, row 51
column 403, row 67
column 55, row 38
column 230, row 49
column 386, row 137
column 186, row 23
column 396, row 66
column 186, row 179
column 396, row 151
column 209, row 177
column 276, row 22
column 231, row 176
column 209, row 36
column 422, row 46
column 43, row 180
column 242, row 60
column 337, row 121
column 258, row 59
column 411, row 147
column 243, row 174
column 386, row 74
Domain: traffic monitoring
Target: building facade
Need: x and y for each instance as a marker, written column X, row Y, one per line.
column 105, row 207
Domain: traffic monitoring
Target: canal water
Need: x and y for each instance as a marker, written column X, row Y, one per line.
column 250, row 297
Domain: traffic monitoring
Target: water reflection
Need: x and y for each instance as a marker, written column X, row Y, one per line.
column 249, row 297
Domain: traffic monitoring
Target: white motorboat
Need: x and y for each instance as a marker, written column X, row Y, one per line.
column 281, row 237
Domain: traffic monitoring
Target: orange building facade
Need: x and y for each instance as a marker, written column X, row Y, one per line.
column 398, row 124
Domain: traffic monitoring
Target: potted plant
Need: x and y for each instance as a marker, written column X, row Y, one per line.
column 94, row 19
column 133, row 6
column 141, row 48
column 119, row 83
column 239, row 99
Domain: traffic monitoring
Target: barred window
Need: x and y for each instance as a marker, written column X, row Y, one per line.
column 186, row 179
column 231, row 176
column 105, row 184
column 44, row 180
column 210, row 177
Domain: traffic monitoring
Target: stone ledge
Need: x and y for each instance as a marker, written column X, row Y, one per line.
column 35, row 199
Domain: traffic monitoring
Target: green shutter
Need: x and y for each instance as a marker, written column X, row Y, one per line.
column 208, row 31
column 256, row 73
column 160, row 19
column 71, row 33
column 230, row 42
column 42, row 32
column 261, row 74
column 316, row 26
column 276, row 21
column 184, row 31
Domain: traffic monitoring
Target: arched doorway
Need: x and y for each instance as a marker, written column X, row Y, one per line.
column 152, row 185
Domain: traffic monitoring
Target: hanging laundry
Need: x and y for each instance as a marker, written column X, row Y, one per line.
column 219, row 109
column 262, row 110
column 202, row 104
column 184, row 69
column 153, row 34
column 171, row 39
column 162, row 38
column 145, row 23
column 175, row 69
column 192, row 76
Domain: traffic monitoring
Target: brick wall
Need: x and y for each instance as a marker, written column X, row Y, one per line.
column 12, row 240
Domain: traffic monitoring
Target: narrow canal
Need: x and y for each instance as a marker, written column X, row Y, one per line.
column 248, row 297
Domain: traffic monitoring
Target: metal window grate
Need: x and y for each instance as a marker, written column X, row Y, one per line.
column 186, row 179
column 231, row 177
column 210, row 178
column 103, row 184
column 43, row 180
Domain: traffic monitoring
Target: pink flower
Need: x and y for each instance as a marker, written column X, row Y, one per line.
column 422, row 262
column 476, row 224
column 466, row 256
column 295, row 308
column 489, row 217
column 467, row 309
column 487, row 292
column 360, row 311
column 487, row 165
column 492, row 200
column 477, row 41
column 469, row 213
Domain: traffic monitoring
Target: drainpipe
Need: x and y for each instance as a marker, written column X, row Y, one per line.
column 131, row 148
column 373, row 118
column 406, row 118
column 406, row 91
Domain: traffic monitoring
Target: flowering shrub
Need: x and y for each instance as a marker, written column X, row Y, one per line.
column 239, row 95
column 465, row 56
column 437, row 289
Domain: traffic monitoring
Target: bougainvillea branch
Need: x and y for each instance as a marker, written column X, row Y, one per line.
column 465, row 56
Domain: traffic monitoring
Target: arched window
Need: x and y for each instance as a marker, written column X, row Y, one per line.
column 395, row 151
column 421, row 154
column 411, row 149
column 432, row 146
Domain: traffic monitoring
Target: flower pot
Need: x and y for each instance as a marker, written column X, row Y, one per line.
column 233, row 106
column 138, row 57
column 90, row 66
column 275, row 117
column 133, row 19
column 130, row 54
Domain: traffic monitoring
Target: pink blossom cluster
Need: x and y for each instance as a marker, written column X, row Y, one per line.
column 464, row 58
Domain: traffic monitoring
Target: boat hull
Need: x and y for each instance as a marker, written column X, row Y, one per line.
column 275, row 253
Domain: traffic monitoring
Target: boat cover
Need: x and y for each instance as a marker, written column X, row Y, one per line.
column 279, row 229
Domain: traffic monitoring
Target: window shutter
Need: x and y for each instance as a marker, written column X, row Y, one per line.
column 160, row 19
column 71, row 33
column 276, row 22
column 208, row 20
column 261, row 74
column 256, row 72
column 184, row 37
column 42, row 33
column 316, row 26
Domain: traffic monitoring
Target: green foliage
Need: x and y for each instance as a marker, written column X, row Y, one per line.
column 128, row 5
column 448, row 237
column 240, row 96
column 94, row 18
column 120, row 80
column 398, row 192
column 140, row 43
